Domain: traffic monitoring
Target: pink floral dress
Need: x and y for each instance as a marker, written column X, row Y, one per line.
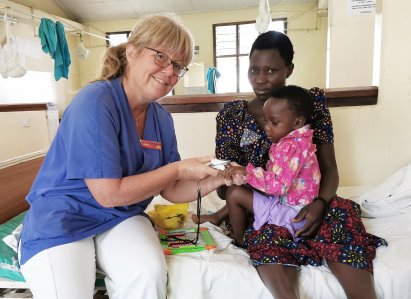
column 291, row 180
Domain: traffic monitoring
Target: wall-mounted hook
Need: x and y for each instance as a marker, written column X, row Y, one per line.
column 81, row 36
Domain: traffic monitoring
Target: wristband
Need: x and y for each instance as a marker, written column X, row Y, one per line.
column 322, row 200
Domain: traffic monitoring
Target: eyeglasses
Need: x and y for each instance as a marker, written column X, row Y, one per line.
column 163, row 60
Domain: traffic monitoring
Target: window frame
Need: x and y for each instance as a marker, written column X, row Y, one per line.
column 237, row 55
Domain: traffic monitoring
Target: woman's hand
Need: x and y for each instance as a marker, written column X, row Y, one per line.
column 233, row 169
column 195, row 169
column 313, row 214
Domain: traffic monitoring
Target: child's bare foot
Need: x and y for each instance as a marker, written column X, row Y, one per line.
column 215, row 218
column 212, row 218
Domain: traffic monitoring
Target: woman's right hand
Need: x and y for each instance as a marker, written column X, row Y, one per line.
column 195, row 169
column 313, row 214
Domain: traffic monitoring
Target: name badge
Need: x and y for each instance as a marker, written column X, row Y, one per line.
column 150, row 144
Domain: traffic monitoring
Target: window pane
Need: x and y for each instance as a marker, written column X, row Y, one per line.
column 247, row 35
column 225, row 40
column 228, row 70
column 226, row 44
column 244, row 83
column 117, row 38
column 277, row 25
column 39, row 87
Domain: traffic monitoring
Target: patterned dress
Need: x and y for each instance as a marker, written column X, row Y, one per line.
column 342, row 236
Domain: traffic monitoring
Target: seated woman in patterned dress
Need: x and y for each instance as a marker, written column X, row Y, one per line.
column 333, row 230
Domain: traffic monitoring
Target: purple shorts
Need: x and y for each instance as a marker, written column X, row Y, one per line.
column 269, row 210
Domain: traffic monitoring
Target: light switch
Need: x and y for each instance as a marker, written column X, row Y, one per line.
column 25, row 122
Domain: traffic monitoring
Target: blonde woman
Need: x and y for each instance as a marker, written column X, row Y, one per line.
column 115, row 149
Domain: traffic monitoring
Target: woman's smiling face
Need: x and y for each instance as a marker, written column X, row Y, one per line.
column 150, row 79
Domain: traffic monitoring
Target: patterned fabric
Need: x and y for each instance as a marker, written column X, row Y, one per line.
column 240, row 139
column 342, row 238
column 292, row 171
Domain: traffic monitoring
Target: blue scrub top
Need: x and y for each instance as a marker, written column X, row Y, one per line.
column 97, row 138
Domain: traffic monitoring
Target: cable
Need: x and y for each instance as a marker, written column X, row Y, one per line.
column 75, row 29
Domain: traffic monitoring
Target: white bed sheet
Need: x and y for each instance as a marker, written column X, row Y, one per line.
column 226, row 272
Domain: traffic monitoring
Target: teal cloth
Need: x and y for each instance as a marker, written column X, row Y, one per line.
column 48, row 36
column 61, row 56
column 53, row 41
column 212, row 75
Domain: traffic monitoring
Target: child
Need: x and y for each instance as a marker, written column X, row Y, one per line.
column 292, row 176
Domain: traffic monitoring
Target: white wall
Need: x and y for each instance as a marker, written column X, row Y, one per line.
column 371, row 142
column 307, row 30
column 350, row 46
column 195, row 133
column 23, row 133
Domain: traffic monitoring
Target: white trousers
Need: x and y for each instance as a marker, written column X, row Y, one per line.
column 130, row 254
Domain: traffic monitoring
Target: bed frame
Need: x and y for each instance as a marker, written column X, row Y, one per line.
column 15, row 183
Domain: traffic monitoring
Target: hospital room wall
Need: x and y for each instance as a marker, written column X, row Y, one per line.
column 22, row 138
column 371, row 142
column 374, row 141
column 305, row 27
column 27, row 132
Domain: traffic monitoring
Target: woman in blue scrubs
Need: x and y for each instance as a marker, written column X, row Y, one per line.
column 115, row 149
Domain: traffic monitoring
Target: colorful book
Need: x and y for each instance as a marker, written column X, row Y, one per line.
column 181, row 240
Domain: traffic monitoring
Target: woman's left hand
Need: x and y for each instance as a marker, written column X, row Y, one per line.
column 313, row 214
column 195, row 169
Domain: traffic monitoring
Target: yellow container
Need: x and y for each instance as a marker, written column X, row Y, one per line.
column 169, row 216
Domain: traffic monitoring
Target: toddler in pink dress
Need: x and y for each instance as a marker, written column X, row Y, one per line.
column 291, row 181
column 291, row 178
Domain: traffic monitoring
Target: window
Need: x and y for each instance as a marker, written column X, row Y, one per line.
column 115, row 38
column 39, row 87
column 232, row 43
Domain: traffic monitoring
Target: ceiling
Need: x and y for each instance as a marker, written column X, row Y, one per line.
column 107, row 10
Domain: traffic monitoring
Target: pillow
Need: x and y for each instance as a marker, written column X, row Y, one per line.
column 389, row 198
column 13, row 240
column 9, row 267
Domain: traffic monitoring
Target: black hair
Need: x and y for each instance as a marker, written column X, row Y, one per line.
column 274, row 40
column 298, row 98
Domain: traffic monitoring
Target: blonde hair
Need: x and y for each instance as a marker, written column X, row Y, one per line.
column 151, row 31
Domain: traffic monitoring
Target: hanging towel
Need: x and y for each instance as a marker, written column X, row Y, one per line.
column 61, row 56
column 53, row 41
column 48, row 36
column 212, row 75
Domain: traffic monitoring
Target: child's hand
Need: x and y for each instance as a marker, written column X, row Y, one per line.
column 239, row 179
column 231, row 171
